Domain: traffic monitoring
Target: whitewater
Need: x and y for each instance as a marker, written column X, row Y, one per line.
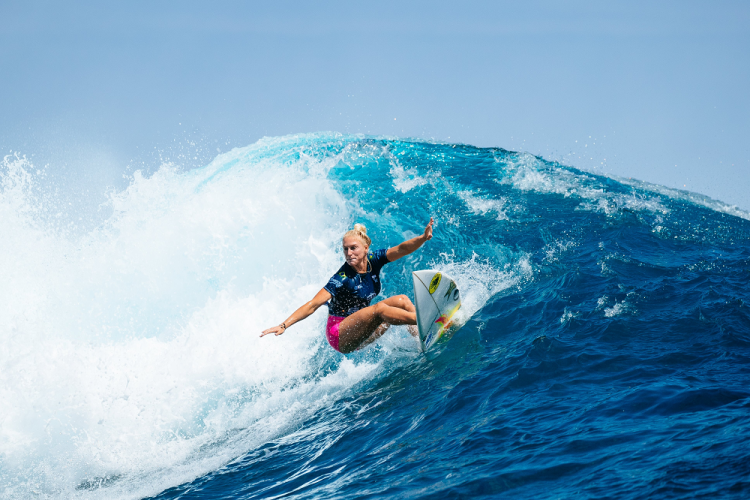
column 605, row 350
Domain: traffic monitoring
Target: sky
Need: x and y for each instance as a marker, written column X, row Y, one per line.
column 656, row 91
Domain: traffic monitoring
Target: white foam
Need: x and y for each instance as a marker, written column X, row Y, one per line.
column 680, row 194
column 553, row 251
column 528, row 173
column 482, row 206
column 480, row 280
column 617, row 308
column 130, row 355
column 405, row 179
column 568, row 315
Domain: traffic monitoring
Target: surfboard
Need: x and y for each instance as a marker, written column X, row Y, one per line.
column 437, row 300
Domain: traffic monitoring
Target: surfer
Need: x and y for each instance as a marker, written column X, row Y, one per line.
column 352, row 321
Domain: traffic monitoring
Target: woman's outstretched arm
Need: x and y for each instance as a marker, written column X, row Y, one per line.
column 411, row 245
column 303, row 312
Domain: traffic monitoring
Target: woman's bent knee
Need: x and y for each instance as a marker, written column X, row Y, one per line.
column 405, row 302
column 400, row 300
column 379, row 309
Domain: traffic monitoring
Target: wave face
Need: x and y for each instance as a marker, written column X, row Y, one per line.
column 605, row 349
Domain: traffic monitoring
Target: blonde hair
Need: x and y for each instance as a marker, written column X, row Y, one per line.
column 359, row 231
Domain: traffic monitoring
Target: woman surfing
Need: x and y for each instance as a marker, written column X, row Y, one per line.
column 352, row 321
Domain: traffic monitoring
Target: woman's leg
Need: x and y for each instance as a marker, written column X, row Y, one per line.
column 379, row 331
column 356, row 329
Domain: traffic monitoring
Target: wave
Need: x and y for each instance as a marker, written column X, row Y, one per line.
column 130, row 360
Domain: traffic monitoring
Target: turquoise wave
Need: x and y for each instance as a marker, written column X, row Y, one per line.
column 604, row 350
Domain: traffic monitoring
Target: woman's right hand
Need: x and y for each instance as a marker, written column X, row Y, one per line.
column 306, row 310
column 276, row 330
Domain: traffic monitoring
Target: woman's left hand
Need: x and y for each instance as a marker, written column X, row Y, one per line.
column 409, row 246
column 428, row 230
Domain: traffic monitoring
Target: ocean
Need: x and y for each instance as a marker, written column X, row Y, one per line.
column 604, row 353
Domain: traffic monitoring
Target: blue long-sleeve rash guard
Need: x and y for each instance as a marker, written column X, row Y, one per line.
column 351, row 291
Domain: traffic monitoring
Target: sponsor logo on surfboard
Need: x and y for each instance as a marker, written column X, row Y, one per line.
column 450, row 290
column 429, row 339
column 435, row 282
column 444, row 321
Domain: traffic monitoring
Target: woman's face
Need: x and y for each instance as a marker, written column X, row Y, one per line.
column 355, row 251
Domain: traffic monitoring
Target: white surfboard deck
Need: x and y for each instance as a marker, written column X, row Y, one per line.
column 437, row 300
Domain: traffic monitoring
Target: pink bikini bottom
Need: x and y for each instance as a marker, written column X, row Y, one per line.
column 332, row 330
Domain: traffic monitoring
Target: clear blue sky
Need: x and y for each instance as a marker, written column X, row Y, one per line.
column 659, row 91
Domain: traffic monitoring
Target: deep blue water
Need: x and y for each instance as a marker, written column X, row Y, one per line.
column 605, row 351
